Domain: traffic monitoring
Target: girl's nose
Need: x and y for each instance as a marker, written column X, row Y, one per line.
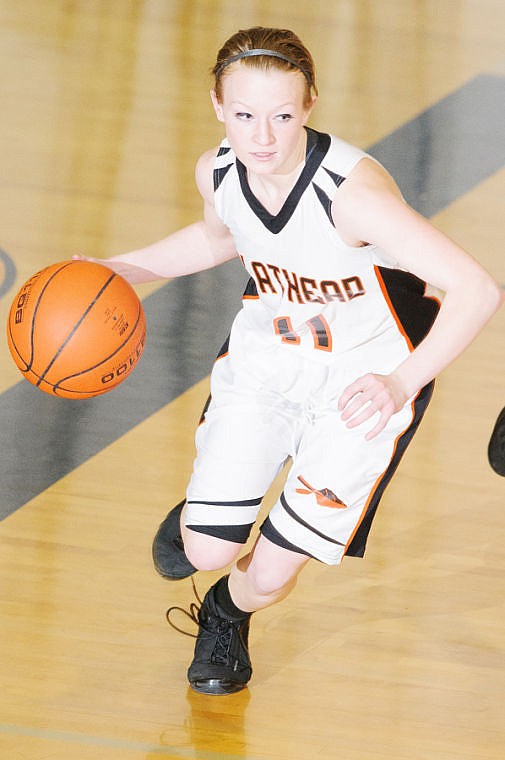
column 264, row 134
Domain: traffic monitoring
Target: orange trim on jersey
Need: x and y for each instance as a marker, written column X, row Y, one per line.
column 381, row 476
column 391, row 308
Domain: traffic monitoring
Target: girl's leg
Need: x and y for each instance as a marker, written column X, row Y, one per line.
column 208, row 552
column 221, row 664
column 264, row 576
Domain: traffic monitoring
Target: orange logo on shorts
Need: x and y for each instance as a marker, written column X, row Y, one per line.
column 324, row 496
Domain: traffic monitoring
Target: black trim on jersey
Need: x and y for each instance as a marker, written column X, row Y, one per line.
column 222, row 352
column 312, row 142
column 318, row 144
column 415, row 311
column 309, row 527
column 269, row 531
column 357, row 546
column 220, row 174
column 244, row 503
column 223, row 150
column 251, row 291
column 326, row 201
column 204, row 410
column 224, row 348
column 239, row 534
column 337, row 178
column 236, row 533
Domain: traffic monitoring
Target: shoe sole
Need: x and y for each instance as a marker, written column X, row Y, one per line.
column 172, row 577
column 216, row 687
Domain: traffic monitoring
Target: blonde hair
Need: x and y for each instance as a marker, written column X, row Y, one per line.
column 264, row 48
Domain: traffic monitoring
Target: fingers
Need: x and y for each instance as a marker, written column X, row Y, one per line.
column 367, row 396
column 361, row 399
column 383, row 420
column 351, row 391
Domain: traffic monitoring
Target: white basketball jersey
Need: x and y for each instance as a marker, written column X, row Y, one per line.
column 311, row 290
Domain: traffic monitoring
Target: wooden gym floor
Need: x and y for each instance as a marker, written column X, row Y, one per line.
column 401, row 655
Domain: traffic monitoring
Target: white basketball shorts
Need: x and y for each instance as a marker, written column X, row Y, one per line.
column 282, row 407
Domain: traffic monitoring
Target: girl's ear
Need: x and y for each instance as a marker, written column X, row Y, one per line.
column 218, row 108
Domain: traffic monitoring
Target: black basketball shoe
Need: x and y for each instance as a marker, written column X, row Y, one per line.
column 221, row 664
column 168, row 549
column 496, row 447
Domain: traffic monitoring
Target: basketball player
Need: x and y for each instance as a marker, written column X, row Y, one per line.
column 330, row 362
column 496, row 445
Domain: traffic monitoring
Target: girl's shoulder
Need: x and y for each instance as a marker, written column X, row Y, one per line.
column 343, row 155
column 204, row 172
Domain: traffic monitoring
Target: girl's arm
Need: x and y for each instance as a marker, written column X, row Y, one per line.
column 198, row 246
column 369, row 208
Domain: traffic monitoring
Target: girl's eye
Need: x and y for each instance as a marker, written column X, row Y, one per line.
column 243, row 115
column 284, row 117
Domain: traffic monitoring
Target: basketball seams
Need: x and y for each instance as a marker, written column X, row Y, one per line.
column 28, row 362
column 13, row 347
column 59, row 383
column 74, row 328
column 36, row 308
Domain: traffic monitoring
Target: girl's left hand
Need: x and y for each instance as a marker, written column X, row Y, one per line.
column 368, row 395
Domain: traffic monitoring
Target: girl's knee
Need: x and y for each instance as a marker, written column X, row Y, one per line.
column 207, row 552
column 273, row 570
column 269, row 581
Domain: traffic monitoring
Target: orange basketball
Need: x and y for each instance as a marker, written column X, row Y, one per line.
column 76, row 329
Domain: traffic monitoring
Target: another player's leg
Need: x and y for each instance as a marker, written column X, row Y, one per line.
column 496, row 446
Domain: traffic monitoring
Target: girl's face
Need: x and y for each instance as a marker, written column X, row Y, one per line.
column 264, row 114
